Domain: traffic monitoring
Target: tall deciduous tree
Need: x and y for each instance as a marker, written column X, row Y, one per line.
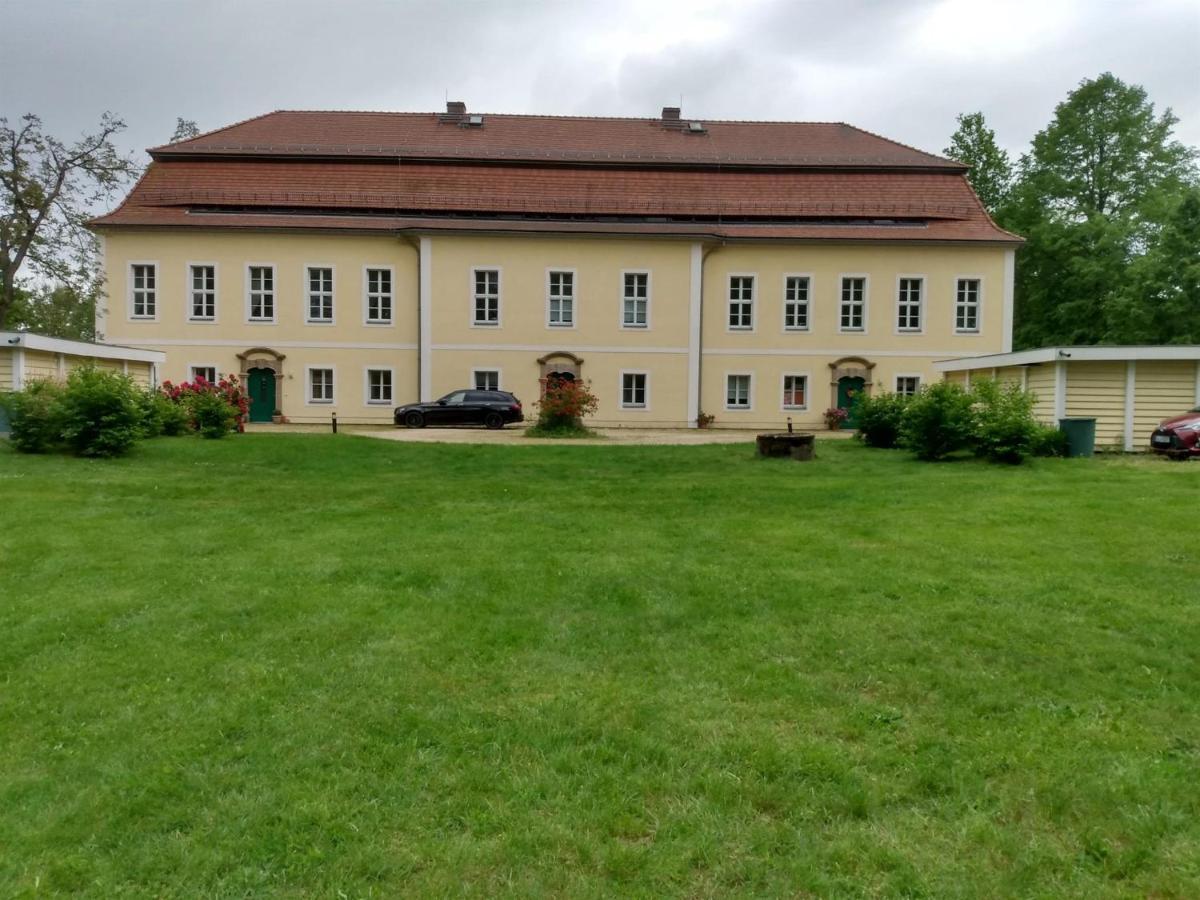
column 47, row 189
column 1092, row 195
column 991, row 172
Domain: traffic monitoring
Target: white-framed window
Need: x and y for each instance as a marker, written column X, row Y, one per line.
column 320, row 384
column 738, row 388
column 907, row 385
column 377, row 284
column 741, row 302
column 260, row 293
column 560, row 299
column 486, row 379
column 635, row 299
column 852, row 313
column 208, row 373
column 486, row 309
column 795, row 392
column 795, row 302
column 320, row 294
column 634, row 390
column 143, row 290
column 910, row 292
column 379, row 387
column 202, row 292
column 966, row 305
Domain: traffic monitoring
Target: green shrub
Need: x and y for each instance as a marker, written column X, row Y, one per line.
column 35, row 417
column 1047, row 441
column 101, row 415
column 174, row 417
column 210, row 414
column 1004, row 424
column 151, row 420
column 938, row 420
column 879, row 418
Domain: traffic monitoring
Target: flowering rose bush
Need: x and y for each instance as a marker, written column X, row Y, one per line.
column 213, row 409
column 835, row 417
column 562, row 407
column 565, row 402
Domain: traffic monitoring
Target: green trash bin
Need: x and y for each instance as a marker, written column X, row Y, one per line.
column 1081, row 435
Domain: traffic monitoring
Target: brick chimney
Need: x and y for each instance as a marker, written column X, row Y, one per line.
column 456, row 111
column 670, row 117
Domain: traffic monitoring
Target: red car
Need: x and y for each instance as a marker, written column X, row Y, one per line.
column 1178, row 437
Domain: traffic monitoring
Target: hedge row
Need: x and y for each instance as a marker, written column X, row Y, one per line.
column 101, row 413
column 992, row 421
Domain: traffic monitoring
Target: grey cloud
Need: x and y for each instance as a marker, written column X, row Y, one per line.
column 855, row 61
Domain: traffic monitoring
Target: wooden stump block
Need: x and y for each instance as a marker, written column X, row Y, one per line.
column 798, row 446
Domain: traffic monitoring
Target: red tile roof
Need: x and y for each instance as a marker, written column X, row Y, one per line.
column 555, row 138
column 525, row 189
column 228, row 179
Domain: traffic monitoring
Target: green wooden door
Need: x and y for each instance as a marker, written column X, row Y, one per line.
column 848, row 390
column 260, row 383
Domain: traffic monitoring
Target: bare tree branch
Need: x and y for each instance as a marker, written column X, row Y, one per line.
column 46, row 188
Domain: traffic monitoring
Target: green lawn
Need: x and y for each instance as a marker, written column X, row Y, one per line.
column 332, row 666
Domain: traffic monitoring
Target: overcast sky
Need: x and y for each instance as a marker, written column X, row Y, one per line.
column 903, row 68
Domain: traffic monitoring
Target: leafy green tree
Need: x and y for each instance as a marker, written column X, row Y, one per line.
column 991, row 172
column 1107, row 154
column 1092, row 195
column 1161, row 304
column 47, row 190
column 56, row 310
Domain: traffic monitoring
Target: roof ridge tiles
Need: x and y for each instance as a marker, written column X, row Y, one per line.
column 654, row 120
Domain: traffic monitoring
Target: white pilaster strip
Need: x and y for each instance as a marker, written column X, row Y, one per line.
column 1198, row 382
column 693, row 404
column 18, row 364
column 62, row 366
column 1010, row 275
column 102, row 300
column 1130, row 394
column 1060, row 390
column 425, row 302
column 1025, row 378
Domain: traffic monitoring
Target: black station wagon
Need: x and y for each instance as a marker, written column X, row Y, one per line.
column 492, row 409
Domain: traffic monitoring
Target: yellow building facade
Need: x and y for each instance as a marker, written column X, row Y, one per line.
column 674, row 291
